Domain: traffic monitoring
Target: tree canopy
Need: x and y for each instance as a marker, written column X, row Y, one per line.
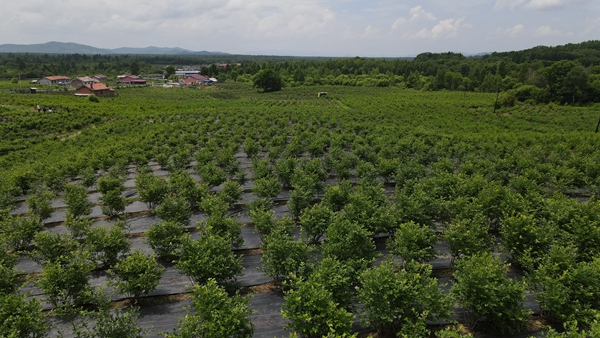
column 268, row 80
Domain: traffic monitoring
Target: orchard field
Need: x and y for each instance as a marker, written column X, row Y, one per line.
column 366, row 211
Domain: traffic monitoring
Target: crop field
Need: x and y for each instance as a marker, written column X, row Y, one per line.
column 170, row 211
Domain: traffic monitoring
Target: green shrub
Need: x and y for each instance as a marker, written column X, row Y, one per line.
column 312, row 311
column 487, row 294
column 113, row 203
column 182, row 184
column 88, row 177
column 315, row 221
column 108, row 243
column 284, row 256
column 53, row 247
column 40, row 203
column 151, row 189
column 337, row 196
column 214, row 205
column 108, row 322
column 174, row 208
column 227, row 228
column 400, row 301
column 567, row 290
column 231, row 193
column 413, row 242
column 136, row 275
column 76, row 200
column 266, row 187
column 208, row 257
column 263, row 221
column 66, row 285
column 211, row 174
column 467, row 237
column 78, row 226
column 349, row 243
column 19, row 231
column 165, row 238
column 215, row 314
column 22, row 317
column 526, row 239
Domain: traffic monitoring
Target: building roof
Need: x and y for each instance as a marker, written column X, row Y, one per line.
column 56, row 78
column 197, row 77
column 100, row 76
column 86, row 79
column 96, row 87
column 132, row 77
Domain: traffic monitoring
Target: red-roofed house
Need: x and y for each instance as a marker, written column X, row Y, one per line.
column 195, row 79
column 133, row 79
column 98, row 89
column 55, row 80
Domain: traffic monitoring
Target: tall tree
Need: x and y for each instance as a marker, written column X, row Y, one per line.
column 268, row 80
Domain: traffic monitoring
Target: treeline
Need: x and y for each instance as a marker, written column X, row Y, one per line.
column 563, row 74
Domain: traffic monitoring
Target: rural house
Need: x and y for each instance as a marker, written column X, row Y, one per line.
column 196, row 79
column 54, row 80
column 101, row 78
column 133, row 79
column 98, row 89
column 82, row 81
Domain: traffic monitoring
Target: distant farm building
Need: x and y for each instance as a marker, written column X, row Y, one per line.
column 83, row 80
column 196, row 79
column 101, row 78
column 54, row 80
column 186, row 72
column 98, row 89
column 133, row 79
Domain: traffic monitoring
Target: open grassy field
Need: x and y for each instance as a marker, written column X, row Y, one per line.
column 289, row 180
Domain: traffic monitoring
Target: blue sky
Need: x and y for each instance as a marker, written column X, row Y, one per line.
column 379, row 28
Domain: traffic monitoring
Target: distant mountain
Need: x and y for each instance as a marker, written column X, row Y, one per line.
column 54, row 47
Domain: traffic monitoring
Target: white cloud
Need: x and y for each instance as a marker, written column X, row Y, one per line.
column 592, row 25
column 302, row 27
column 513, row 32
column 399, row 23
column 370, row 31
column 545, row 31
column 542, row 5
column 417, row 14
column 500, row 4
column 444, row 29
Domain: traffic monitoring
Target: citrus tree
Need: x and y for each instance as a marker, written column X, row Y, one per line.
column 215, row 314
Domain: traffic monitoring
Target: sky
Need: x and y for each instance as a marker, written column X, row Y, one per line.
column 342, row 28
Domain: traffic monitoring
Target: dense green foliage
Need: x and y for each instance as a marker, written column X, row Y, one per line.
column 215, row 314
column 137, row 274
column 21, row 317
column 401, row 300
column 349, row 168
column 487, row 294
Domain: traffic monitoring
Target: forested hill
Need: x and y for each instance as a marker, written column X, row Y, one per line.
column 587, row 53
column 564, row 74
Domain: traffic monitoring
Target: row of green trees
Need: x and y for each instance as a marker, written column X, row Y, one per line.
column 482, row 175
column 565, row 74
